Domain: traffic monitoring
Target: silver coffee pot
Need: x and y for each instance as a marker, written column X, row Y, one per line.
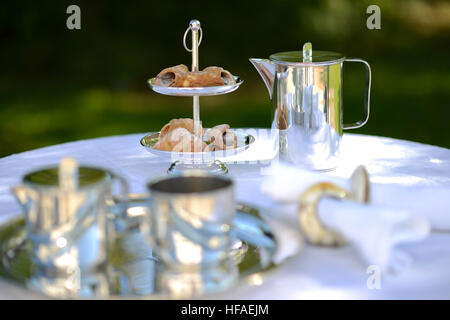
column 306, row 90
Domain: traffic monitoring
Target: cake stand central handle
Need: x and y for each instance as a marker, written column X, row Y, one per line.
column 194, row 26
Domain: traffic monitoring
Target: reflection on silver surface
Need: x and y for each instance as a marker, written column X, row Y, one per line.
column 307, row 104
column 189, row 229
column 90, row 285
column 67, row 225
column 132, row 270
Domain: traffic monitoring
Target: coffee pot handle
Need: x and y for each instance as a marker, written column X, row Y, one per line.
column 359, row 124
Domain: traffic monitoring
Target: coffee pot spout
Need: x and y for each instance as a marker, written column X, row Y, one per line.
column 266, row 69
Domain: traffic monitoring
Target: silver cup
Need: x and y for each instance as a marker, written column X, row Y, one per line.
column 189, row 230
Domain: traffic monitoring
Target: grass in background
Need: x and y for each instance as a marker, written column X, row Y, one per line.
column 58, row 85
column 412, row 106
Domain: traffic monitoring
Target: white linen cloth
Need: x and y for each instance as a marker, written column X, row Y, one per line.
column 317, row 272
column 396, row 215
column 286, row 183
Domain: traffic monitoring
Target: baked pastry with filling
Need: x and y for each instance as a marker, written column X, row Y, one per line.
column 180, row 76
column 170, row 77
column 186, row 123
column 222, row 137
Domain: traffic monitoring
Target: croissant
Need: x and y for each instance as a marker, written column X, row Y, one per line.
column 169, row 77
column 188, row 124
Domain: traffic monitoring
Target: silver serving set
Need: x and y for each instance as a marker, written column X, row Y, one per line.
column 83, row 235
column 206, row 161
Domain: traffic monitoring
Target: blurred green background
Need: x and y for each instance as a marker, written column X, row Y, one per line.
column 58, row 85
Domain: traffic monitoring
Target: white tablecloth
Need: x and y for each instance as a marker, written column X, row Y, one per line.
column 324, row 273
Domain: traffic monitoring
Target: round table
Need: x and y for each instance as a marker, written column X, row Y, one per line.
column 323, row 273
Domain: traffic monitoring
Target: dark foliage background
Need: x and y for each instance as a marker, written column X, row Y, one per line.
column 58, row 85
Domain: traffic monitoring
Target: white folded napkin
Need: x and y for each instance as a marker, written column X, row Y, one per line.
column 395, row 216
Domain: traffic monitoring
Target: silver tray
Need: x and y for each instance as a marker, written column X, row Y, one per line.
column 244, row 142
column 194, row 91
column 130, row 271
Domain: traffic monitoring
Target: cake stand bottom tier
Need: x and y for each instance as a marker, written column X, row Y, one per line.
column 216, row 167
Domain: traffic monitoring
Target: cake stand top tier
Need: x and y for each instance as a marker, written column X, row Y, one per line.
column 197, row 36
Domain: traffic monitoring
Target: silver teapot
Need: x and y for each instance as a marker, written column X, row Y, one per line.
column 306, row 90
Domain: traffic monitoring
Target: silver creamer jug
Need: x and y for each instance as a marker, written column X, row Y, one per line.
column 66, row 214
column 306, row 92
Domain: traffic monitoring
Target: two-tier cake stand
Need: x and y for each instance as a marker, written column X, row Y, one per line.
column 207, row 161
